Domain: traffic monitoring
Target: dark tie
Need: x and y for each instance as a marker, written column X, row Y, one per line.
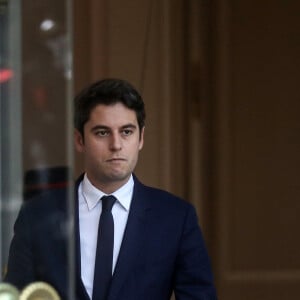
column 104, row 253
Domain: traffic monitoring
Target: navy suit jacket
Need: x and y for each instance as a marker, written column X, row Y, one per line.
column 162, row 250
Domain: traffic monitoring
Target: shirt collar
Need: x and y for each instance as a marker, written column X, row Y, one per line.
column 92, row 195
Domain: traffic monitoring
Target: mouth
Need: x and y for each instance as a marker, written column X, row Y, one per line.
column 116, row 159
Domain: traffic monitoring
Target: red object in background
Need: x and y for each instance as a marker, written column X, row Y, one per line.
column 5, row 75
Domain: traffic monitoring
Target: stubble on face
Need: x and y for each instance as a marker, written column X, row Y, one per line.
column 111, row 145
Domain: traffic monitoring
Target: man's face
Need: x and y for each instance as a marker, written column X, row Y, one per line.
column 111, row 144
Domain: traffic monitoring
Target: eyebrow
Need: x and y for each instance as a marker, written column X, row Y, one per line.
column 129, row 125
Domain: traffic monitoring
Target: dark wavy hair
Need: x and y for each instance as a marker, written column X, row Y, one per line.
column 107, row 92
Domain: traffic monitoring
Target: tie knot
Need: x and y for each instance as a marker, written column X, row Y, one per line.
column 108, row 202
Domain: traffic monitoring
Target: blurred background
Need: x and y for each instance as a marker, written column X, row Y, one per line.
column 220, row 80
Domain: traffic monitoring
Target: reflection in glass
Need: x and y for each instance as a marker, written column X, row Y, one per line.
column 35, row 110
column 10, row 119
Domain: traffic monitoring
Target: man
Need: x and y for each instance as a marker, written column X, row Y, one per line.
column 153, row 244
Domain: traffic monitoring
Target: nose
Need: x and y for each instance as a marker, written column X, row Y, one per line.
column 115, row 142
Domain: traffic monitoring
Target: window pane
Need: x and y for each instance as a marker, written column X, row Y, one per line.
column 36, row 112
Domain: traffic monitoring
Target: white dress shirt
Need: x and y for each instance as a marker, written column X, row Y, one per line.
column 90, row 208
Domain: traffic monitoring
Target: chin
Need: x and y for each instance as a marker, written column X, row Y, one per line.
column 119, row 176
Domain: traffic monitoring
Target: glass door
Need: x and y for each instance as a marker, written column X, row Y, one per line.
column 36, row 132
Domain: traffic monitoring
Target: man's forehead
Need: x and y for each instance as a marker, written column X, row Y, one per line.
column 113, row 115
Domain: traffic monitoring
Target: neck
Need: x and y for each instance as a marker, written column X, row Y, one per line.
column 108, row 187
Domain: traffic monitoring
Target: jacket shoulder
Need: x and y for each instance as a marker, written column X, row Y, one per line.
column 161, row 198
column 45, row 203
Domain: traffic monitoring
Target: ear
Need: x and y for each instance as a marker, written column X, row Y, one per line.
column 142, row 138
column 78, row 141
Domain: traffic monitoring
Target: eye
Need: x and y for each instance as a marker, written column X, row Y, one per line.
column 102, row 132
column 127, row 132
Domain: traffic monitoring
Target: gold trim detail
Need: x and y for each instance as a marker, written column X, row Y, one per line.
column 39, row 291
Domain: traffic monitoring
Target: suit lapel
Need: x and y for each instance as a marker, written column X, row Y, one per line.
column 133, row 240
column 132, row 243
